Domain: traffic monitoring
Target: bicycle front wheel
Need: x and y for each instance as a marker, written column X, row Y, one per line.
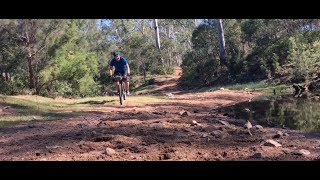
column 124, row 93
column 121, row 93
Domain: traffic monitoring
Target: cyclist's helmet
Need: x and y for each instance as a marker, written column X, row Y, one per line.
column 115, row 53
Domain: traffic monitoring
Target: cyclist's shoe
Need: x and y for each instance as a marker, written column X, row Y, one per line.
column 128, row 93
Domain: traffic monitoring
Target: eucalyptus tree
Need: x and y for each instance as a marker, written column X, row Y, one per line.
column 33, row 37
column 222, row 43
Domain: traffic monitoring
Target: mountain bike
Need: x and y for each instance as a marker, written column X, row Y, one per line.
column 122, row 91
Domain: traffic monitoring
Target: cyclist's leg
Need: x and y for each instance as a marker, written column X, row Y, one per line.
column 127, row 85
column 126, row 82
column 116, row 83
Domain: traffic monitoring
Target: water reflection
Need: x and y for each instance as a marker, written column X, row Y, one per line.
column 284, row 111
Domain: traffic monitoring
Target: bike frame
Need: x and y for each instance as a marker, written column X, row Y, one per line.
column 122, row 93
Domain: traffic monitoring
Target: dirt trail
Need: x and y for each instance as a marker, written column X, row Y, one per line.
column 188, row 128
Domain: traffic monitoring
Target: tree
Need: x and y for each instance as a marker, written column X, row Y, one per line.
column 221, row 43
column 51, row 56
column 156, row 28
column 33, row 36
column 74, row 64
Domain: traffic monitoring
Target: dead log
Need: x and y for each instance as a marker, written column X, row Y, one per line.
column 298, row 90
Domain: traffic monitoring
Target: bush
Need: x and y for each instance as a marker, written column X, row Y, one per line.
column 304, row 58
column 14, row 87
column 151, row 81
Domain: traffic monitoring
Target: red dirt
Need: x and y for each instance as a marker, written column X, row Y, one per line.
column 158, row 131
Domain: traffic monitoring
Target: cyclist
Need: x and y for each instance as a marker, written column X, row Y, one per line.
column 121, row 67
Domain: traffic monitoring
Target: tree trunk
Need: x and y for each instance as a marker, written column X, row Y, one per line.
column 143, row 29
column 8, row 77
column 221, row 43
column 157, row 33
column 31, row 73
column 158, row 39
column 49, row 89
column 144, row 75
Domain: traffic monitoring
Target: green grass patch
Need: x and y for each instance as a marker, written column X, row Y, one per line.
column 30, row 108
column 261, row 86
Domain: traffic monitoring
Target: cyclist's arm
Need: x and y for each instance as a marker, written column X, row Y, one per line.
column 128, row 68
column 111, row 70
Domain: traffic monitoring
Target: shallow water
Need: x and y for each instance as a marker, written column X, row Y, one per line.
column 284, row 111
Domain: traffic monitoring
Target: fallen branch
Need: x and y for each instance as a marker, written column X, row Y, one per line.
column 298, row 90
